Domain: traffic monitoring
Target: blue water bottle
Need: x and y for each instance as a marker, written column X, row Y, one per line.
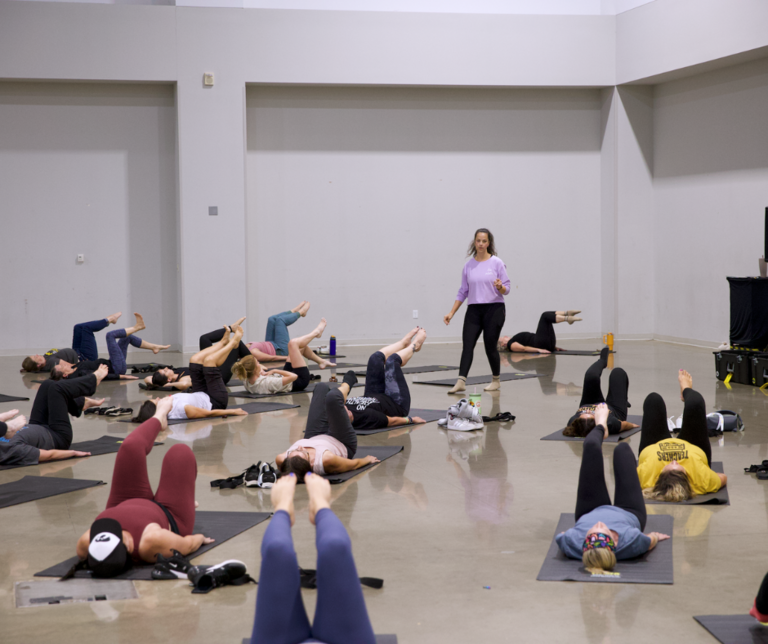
column 332, row 349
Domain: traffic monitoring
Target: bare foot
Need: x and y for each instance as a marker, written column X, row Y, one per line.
column 320, row 328
column 319, row 490
column 197, row 505
column 297, row 309
column 157, row 348
column 326, row 363
column 304, row 308
column 282, row 495
column 93, row 402
column 238, row 331
column 7, row 415
column 239, row 322
column 14, row 425
column 685, row 380
column 101, row 373
column 112, row 319
column 418, row 340
column 139, row 326
column 408, row 337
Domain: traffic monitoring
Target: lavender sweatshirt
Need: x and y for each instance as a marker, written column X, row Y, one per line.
column 477, row 281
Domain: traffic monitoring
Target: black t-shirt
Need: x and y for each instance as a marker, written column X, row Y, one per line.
column 614, row 424
column 87, row 367
column 370, row 412
column 524, row 337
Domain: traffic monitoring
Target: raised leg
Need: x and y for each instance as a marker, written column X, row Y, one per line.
column 375, row 375
column 395, row 385
column 84, row 341
column 591, row 393
column 694, row 429
column 592, row 491
column 297, row 345
column 618, row 393
column 628, row 494
column 654, row 427
column 129, row 477
column 317, row 418
column 277, row 330
column 545, row 337
column 339, row 425
column 176, row 490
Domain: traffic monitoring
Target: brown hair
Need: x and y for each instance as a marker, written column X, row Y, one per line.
column 598, row 560
column 146, row 412
column 299, row 465
column 56, row 373
column 29, row 365
column 472, row 251
column 159, row 379
column 244, row 368
column 580, row 427
column 671, row 487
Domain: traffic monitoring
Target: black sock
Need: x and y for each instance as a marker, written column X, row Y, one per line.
column 350, row 378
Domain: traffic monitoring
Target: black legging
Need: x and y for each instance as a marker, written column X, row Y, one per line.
column 593, row 491
column 54, row 403
column 328, row 415
column 618, row 387
column 240, row 351
column 487, row 319
column 761, row 601
column 694, row 429
column 544, row 338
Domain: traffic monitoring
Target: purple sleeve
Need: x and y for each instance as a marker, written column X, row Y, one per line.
column 464, row 289
column 504, row 277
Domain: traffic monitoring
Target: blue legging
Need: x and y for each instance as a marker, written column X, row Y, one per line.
column 340, row 613
column 83, row 341
column 277, row 330
column 117, row 345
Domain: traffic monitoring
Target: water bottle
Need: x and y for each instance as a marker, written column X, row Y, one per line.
column 332, row 348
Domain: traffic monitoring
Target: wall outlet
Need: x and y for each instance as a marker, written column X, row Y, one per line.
column 80, row 258
column 213, row 211
column 415, row 314
column 208, row 80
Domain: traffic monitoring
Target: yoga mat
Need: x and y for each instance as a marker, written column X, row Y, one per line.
column 382, row 453
column 567, row 352
column 734, row 629
column 425, row 369
column 4, row 398
column 32, row 488
column 143, row 385
column 654, row 567
column 136, row 368
column 612, row 438
column 97, row 447
column 310, row 388
column 429, row 415
column 479, row 380
column 380, row 639
column 715, row 498
column 221, row 526
column 251, row 408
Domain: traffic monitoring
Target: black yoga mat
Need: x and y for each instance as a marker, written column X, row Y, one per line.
column 4, row 398
column 715, row 498
column 221, row 526
column 424, row 369
column 382, row 453
column 310, row 388
column 97, row 447
column 654, row 567
column 251, row 408
column 429, row 415
column 567, row 352
column 612, row 438
column 479, row 380
column 33, row 488
column 380, row 639
column 138, row 367
column 734, row 629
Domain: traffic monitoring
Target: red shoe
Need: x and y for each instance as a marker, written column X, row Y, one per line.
column 763, row 619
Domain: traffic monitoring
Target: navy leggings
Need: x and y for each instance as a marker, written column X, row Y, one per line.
column 340, row 613
column 117, row 345
column 385, row 376
column 83, row 340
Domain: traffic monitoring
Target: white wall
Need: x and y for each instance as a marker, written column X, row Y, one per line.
column 711, row 191
column 364, row 200
column 86, row 169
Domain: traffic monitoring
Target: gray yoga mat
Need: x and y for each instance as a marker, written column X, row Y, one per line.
column 4, row 398
column 734, row 629
column 654, row 567
column 251, row 408
column 429, row 415
column 479, row 380
column 612, row 438
column 424, row 369
column 568, row 352
column 33, row 488
column 221, row 526
column 382, row 453
column 97, row 447
column 242, row 393
column 715, row 498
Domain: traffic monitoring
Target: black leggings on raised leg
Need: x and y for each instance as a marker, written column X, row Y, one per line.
column 240, row 351
column 487, row 319
column 761, row 601
column 694, row 429
column 618, row 387
column 54, row 403
column 545, row 337
column 593, row 492
column 328, row 415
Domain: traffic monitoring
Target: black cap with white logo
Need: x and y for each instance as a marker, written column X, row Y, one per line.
column 107, row 554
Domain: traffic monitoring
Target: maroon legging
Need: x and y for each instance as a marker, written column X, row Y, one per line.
column 130, row 481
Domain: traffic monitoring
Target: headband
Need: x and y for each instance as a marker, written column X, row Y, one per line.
column 598, row 540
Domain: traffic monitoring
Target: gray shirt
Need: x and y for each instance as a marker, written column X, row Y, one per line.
column 24, row 448
column 53, row 356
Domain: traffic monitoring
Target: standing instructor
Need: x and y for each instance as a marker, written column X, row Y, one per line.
column 485, row 281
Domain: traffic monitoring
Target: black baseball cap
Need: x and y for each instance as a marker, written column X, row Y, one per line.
column 107, row 554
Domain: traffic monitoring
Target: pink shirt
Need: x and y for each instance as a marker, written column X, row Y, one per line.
column 322, row 443
column 477, row 281
column 264, row 347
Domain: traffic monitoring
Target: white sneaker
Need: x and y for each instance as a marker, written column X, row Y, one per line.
column 466, row 409
column 463, row 424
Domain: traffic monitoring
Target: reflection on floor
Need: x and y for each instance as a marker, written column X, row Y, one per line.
column 453, row 514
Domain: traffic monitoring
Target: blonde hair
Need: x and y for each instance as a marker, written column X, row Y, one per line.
column 244, row 368
column 671, row 487
column 598, row 560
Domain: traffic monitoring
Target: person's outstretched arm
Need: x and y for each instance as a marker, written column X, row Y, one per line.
column 338, row 464
column 516, row 346
column 196, row 412
column 60, row 454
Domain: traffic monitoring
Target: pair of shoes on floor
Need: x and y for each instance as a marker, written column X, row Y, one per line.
column 109, row 411
column 760, row 470
column 462, row 416
column 262, row 475
column 203, row 578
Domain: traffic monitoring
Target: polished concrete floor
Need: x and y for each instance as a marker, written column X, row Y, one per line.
column 457, row 525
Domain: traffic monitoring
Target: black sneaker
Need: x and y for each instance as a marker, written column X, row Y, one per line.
column 175, row 567
column 206, row 578
column 267, row 476
column 251, row 475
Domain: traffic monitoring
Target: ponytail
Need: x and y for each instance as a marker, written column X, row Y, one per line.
column 244, row 368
